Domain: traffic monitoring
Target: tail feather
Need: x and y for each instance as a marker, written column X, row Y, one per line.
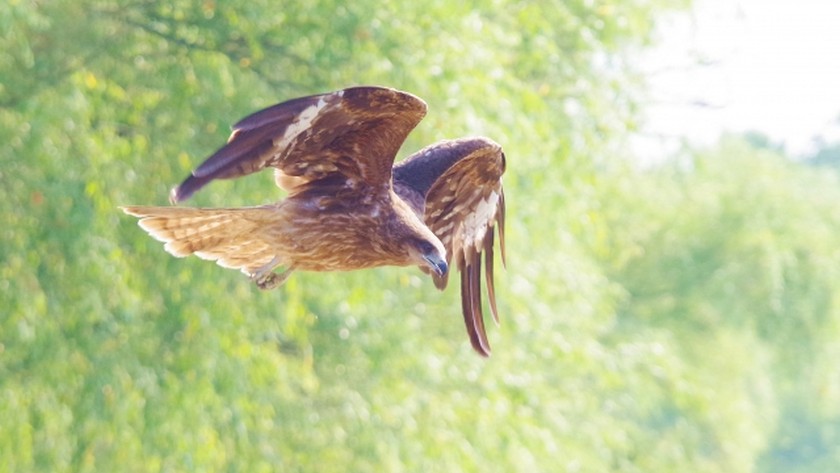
column 234, row 238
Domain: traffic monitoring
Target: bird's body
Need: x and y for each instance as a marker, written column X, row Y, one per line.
column 348, row 207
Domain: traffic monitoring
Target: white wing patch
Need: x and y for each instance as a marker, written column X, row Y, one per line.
column 303, row 121
column 479, row 220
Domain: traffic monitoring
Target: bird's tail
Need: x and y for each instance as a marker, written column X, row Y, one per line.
column 234, row 238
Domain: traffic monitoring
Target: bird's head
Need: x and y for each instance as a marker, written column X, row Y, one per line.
column 424, row 247
column 429, row 253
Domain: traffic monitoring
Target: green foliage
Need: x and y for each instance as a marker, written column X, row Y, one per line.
column 678, row 319
column 733, row 251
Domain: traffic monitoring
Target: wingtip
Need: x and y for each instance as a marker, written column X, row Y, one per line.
column 480, row 343
column 471, row 306
column 132, row 210
column 488, row 275
column 175, row 196
column 484, row 351
column 186, row 189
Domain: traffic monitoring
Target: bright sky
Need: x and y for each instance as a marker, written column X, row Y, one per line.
column 772, row 66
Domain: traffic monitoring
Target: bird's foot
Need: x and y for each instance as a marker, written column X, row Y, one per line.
column 267, row 280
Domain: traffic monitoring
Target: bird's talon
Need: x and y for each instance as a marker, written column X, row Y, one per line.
column 267, row 281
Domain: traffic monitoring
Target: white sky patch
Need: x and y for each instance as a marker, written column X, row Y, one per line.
column 771, row 66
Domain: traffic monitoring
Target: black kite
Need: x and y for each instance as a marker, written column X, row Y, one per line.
column 349, row 207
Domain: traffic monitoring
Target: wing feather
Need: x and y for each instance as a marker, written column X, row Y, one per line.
column 471, row 303
column 463, row 204
column 488, row 275
column 354, row 132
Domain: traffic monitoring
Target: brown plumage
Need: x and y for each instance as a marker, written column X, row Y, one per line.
column 349, row 207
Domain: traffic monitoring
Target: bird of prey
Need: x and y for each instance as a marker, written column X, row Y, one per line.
column 348, row 206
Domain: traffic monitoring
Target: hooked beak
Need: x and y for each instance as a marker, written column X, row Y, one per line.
column 436, row 264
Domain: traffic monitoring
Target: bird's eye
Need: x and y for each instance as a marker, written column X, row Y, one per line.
column 426, row 247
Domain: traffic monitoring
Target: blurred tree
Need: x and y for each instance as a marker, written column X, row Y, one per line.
column 828, row 155
column 827, row 145
column 734, row 252
column 652, row 321
column 760, row 140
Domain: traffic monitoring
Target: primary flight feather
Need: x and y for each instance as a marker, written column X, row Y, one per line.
column 349, row 207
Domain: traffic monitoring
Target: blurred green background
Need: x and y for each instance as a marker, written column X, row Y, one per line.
column 677, row 317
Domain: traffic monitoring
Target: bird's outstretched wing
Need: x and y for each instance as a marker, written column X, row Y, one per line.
column 354, row 133
column 464, row 205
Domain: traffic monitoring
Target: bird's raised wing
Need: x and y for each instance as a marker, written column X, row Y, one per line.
column 354, row 132
column 464, row 206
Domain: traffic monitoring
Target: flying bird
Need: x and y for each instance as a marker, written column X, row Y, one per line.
column 348, row 205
